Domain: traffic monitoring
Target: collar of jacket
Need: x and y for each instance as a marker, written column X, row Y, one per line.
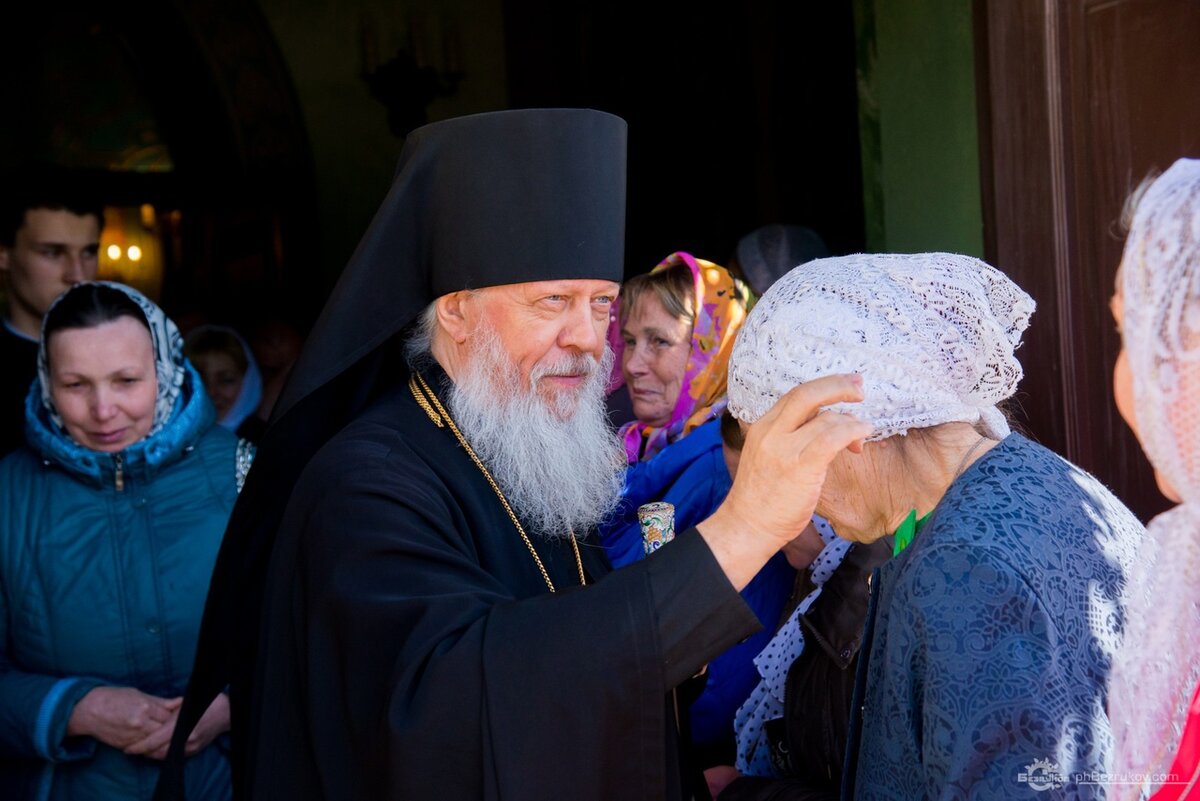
column 835, row 623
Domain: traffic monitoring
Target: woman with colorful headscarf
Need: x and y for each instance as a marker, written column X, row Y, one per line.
column 109, row 529
column 675, row 330
column 1154, row 700
column 677, row 326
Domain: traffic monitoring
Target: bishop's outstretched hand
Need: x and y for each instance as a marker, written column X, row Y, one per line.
column 780, row 474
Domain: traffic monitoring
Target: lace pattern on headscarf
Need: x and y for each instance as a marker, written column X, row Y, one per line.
column 168, row 359
column 1157, row 669
column 933, row 335
column 721, row 304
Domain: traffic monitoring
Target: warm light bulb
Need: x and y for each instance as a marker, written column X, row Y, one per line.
column 114, row 252
column 134, row 253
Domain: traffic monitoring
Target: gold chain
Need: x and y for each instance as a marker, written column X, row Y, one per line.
column 424, row 395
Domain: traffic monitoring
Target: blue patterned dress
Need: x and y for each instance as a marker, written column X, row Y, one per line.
column 992, row 636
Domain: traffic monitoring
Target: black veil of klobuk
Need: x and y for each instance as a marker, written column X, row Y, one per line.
column 498, row 198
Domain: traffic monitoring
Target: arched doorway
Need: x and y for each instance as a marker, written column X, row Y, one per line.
column 184, row 118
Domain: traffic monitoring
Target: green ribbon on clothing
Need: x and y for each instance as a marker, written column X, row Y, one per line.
column 907, row 530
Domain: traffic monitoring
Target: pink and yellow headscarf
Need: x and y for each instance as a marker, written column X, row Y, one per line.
column 721, row 305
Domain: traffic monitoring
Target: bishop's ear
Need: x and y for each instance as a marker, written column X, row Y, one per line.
column 456, row 315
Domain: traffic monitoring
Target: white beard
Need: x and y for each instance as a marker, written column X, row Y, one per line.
column 559, row 463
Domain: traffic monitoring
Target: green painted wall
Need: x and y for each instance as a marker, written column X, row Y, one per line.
column 918, row 125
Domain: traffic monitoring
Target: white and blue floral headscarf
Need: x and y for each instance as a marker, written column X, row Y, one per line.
column 169, row 364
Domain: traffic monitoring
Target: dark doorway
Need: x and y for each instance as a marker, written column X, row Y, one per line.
column 184, row 118
column 739, row 115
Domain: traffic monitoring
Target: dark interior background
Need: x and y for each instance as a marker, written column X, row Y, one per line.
column 739, row 114
column 738, row 117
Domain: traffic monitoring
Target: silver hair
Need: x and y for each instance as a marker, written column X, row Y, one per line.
column 418, row 348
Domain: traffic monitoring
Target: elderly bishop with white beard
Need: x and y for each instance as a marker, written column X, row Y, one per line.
column 435, row 622
column 528, row 394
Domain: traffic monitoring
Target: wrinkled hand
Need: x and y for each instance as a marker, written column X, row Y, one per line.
column 780, row 474
column 787, row 454
column 121, row 716
column 214, row 722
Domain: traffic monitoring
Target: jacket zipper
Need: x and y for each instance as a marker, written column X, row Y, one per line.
column 858, row 705
column 119, row 472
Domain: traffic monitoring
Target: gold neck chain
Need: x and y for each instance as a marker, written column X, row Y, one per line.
column 427, row 399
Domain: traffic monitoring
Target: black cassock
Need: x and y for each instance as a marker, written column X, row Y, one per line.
column 412, row 650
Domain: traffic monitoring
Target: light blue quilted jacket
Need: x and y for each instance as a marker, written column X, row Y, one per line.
column 105, row 561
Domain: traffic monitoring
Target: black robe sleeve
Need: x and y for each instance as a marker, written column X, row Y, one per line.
column 412, row 650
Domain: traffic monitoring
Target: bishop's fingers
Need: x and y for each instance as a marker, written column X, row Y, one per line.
column 803, row 402
column 821, row 439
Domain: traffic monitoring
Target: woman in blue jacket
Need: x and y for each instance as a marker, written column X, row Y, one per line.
column 677, row 326
column 110, row 524
column 983, row 670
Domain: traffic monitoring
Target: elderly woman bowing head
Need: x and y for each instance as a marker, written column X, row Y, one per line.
column 991, row 631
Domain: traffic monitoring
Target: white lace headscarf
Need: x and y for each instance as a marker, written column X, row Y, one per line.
column 1158, row 666
column 932, row 334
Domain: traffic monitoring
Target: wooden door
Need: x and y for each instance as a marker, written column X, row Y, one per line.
column 1079, row 100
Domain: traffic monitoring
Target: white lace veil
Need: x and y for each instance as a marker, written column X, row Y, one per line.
column 932, row 334
column 1157, row 668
